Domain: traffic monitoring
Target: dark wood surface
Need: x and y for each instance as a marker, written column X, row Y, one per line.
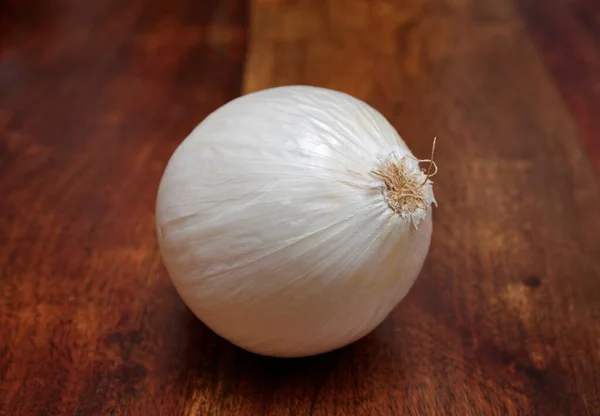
column 94, row 97
column 567, row 33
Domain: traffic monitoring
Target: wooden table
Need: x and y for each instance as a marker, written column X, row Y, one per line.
column 95, row 96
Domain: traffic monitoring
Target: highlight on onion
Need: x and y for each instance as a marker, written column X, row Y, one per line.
column 294, row 219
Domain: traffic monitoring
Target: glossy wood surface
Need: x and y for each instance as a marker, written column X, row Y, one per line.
column 95, row 96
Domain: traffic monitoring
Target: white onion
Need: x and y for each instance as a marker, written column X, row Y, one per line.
column 277, row 232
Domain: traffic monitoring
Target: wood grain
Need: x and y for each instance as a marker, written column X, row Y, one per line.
column 502, row 319
column 94, row 97
column 568, row 36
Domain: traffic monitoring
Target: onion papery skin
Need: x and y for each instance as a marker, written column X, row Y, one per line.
column 274, row 230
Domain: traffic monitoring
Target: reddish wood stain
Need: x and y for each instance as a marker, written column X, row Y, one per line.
column 568, row 35
column 95, row 96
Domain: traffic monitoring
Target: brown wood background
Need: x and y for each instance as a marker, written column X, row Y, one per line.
column 94, row 97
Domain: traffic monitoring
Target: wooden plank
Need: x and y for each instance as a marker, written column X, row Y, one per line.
column 568, row 36
column 503, row 319
column 94, row 98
